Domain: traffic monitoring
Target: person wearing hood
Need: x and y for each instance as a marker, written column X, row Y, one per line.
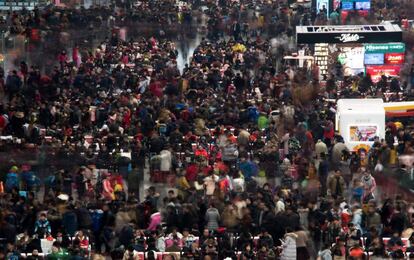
column 289, row 245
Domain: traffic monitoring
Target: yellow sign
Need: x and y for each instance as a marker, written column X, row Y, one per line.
column 362, row 146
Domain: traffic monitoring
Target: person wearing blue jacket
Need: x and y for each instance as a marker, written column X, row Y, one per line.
column 30, row 182
column 42, row 226
column 248, row 168
column 12, row 179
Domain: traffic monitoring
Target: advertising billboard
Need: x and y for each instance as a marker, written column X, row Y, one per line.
column 322, row 4
column 336, row 4
column 385, row 48
column 394, row 58
column 377, row 71
column 347, row 5
column 352, row 59
column 374, row 59
column 348, row 37
column 362, row 5
column 362, row 133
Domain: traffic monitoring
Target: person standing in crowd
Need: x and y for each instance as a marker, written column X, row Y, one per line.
column 212, row 218
column 336, row 184
column 370, row 185
column 289, row 245
column 42, row 226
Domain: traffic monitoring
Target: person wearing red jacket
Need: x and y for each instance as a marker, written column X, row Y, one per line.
column 201, row 152
column 346, row 217
column 126, row 120
column 192, row 172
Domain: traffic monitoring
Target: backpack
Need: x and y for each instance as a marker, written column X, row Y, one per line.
column 50, row 181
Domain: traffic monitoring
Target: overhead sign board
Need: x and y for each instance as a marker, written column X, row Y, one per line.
column 385, row 48
column 355, row 34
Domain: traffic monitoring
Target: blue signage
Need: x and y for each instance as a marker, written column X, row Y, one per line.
column 374, row 59
column 347, row 5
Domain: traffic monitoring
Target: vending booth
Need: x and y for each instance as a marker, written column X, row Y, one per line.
column 359, row 121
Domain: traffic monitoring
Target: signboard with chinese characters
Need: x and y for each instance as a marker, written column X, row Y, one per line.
column 385, row 48
column 394, row 58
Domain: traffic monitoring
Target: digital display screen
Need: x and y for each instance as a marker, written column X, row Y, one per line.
column 347, row 5
column 362, row 5
column 374, row 59
column 377, row 71
column 352, row 59
column 321, row 5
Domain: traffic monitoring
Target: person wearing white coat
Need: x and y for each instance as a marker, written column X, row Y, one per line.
column 166, row 160
column 320, row 148
column 289, row 246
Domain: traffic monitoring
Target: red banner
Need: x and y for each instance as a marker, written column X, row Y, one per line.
column 377, row 71
column 394, row 58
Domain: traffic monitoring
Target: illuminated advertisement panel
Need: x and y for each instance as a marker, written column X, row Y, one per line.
column 362, row 133
column 374, row 59
column 377, row 71
column 394, row 58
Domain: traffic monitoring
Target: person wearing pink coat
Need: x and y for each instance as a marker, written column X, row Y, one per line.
column 108, row 191
column 155, row 221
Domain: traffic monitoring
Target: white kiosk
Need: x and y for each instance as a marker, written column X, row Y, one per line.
column 359, row 121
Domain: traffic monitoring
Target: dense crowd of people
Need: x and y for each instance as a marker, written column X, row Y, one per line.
column 241, row 149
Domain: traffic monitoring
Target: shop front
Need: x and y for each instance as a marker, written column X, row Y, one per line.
column 373, row 49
